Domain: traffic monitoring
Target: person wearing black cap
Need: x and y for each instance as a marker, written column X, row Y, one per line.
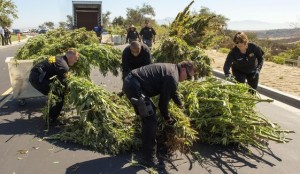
column 132, row 35
column 149, row 81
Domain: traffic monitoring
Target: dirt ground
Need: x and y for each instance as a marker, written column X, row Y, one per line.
column 281, row 77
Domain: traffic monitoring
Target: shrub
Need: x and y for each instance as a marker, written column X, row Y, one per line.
column 224, row 50
column 278, row 59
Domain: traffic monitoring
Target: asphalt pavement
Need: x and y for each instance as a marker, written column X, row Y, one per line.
column 23, row 150
column 6, row 51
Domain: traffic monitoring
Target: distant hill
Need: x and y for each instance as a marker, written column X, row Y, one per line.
column 256, row 25
column 264, row 30
column 278, row 34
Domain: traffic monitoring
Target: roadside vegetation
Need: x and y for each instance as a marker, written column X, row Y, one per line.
column 15, row 37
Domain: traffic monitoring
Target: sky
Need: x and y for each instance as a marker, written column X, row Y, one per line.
column 241, row 13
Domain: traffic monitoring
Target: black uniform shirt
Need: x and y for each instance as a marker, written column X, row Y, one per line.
column 160, row 79
column 147, row 33
column 54, row 66
column 132, row 35
column 130, row 62
column 246, row 63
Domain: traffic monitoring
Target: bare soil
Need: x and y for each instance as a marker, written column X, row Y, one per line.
column 281, row 77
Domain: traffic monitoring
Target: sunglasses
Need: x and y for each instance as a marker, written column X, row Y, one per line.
column 240, row 42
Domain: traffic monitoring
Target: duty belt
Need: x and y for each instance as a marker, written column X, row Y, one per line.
column 42, row 74
column 132, row 79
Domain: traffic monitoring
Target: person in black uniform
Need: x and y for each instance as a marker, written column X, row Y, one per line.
column 147, row 34
column 246, row 60
column 152, row 80
column 134, row 56
column 132, row 35
column 41, row 73
column 7, row 36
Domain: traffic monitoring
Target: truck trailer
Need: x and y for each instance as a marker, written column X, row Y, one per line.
column 87, row 14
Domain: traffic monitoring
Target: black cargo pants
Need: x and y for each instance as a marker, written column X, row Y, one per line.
column 44, row 88
column 241, row 77
column 132, row 89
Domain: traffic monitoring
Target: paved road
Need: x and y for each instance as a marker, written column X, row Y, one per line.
column 7, row 51
column 21, row 128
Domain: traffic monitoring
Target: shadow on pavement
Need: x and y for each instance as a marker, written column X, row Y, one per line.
column 31, row 107
column 229, row 158
column 27, row 119
column 113, row 165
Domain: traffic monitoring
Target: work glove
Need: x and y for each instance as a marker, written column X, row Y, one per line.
column 229, row 77
column 181, row 106
column 170, row 121
column 255, row 74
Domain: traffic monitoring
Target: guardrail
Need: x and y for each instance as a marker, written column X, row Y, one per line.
column 293, row 62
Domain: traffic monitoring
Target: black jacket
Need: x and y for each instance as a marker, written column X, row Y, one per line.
column 130, row 62
column 54, row 66
column 159, row 79
column 147, row 33
column 245, row 63
column 133, row 35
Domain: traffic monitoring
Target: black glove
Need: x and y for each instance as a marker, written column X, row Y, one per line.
column 255, row 74
column 229, row 77
column 171, row 121
column 181, row 106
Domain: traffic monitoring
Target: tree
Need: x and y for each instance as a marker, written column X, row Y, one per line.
column 119, row 21
column 139, row 15
column 69, row 22
column 62, row 24
column 105, row 18
column 8, row 12
column 42, row 27
column 49, row 24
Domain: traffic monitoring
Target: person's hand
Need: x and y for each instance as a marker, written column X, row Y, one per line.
column 171, row 121
column 181, row 106
column 255, row 74
column 228, row 77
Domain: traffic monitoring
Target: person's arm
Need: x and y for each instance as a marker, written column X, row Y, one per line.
column 148, row 56
column 228, row 64
column 177, row 100
column 154, row 34
column 259, row 53
column 62, row 71
column 127, row 37
column 168, row 87
column 125, row 65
